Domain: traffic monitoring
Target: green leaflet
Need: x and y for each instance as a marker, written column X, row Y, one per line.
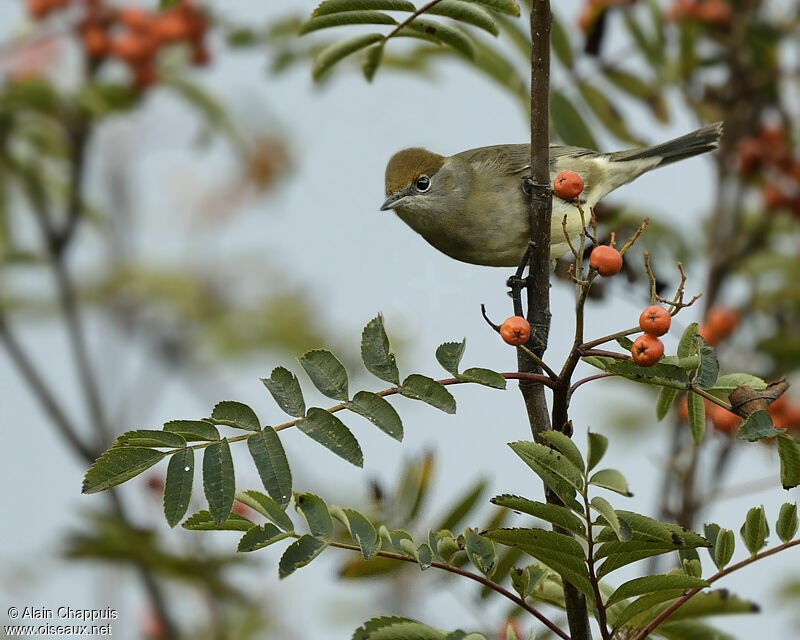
column 554, row 514
column 379, row 412
column 697, row 416
column 465, row 12
column 326, row 21
column 786, row 526
column 565, row 445
column 568, row 122
column 219, row 480
column 285, row 389
column 376, row 354
column 147, row 438
column 428, row 390
column 235, row 414
column 335, row 6
column 273, row 468
column 755, row 530
column 451, row 36
column 361, row 530
column 267, row 507
column 597, row 445
column 178, row 486
column 316, row 514
column 117, row 465
column 300, row 553
column 325, row 428
column 449, row 355
column 326, row 372
column 649, row 584
column 203, row 521
column 480, row 551
column 789, row 454
column 611, row 479
column 193, row 430
column 262, row 536
column 332, row 54
column 618, row 526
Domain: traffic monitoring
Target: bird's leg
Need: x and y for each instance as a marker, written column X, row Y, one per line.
column 517, row 282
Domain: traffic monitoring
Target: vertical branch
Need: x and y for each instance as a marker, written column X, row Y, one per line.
column 538, row 281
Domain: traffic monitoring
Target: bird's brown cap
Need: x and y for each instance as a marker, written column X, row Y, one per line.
column 409, row 164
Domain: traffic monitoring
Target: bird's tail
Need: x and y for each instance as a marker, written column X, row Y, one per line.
column 691, row 144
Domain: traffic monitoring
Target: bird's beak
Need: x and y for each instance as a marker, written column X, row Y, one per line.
column 392, row 201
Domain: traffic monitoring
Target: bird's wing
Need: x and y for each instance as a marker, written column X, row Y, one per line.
column 511, row 159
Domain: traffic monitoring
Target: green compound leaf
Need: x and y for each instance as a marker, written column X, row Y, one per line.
column 273, row 468
column 332, row 54
column 480, row 551
column 650, row 584
column 326, row 372
column 428, row 390
column 565, row 445
column 554, row 514
column 486, row 377
column 611, row 479
column 449, row 355
column 379, row 412
column 267, row 507
column 316, row 514
column 235, row 414
column 178, row 486
column 193, row 430
column 375, row 353
column 147, row 438
column 285, row 389
column 697, row 416
column 117, row 465
column 786, row 527
column 345, row 18
column 465, row 12
column 300, row 553
column 789, row 454
column 598, row 444
column 451, row 36
column 219, row 482
column 258, row 537
column 335, row 6
column 361, row 530
column 618, row 526
column 326, row 429
column 203, row 521
column 757, row 427
column 755, row 530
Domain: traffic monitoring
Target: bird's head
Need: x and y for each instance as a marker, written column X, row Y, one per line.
column 415, row 180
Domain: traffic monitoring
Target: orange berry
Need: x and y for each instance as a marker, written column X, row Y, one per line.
column 515, row 330
column 240, row 508
column 171, row 27
column 655, row 320
column 647, row 350
column 135, row 18
column 749, row 154
column 772, row 196
column 717, row 12
column 723, row 320
column 95, row 41
column 722, row 419
column 568, row 185
column 39, row 9
column 132, row 48
column 607, row 260
column 708, row 334
column 683, row 408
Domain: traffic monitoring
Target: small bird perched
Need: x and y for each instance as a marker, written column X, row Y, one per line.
column 471, row 206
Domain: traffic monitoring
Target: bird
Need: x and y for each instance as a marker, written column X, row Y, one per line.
column 471, row 206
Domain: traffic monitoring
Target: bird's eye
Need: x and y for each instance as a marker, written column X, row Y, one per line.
column 423, row 183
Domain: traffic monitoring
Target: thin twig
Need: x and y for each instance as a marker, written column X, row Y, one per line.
column 583, row 381
column 411, row 18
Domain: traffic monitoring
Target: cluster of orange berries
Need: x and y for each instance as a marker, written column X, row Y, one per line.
column 647, row 349
column 720, row 322
column 769, row 151
column 134, row 35
column 714, row 12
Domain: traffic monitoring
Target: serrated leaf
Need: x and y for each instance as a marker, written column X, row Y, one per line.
column 568, row 122
column 509, row 7
column 643, row 604
column 697, row 416
column 193, row 430
column 728, row 383
column 650, row 584
column 219, row 482
column 480, row 551
column 325, row 428
column 708, row 371
column 596, row 449
column 789, row 454
column 757, row 427
column 786, row 526
column 464, row 505
column 178, row 486
column 335, row 6
column 379, row 412
column 361, row 530
column 375, row 353
column 117, row 465
column 300, row 553
column 397, row 538
column 339, row 19
column 558, row 473
column 711, row 603
column 660, row 374
column 396, row 628
column 552, row 513
column 451, row 36
column 149, row 439
column 755, row 530
column 449, row 355
column 235, row 414
column 561, row 44
column 335, row 52
column 267, row 507
column 372, row 60
column 273, row 468
column 285, row 389
column 316, row 514
column 724, row 546
column 611, row 479
column 565, row 445
column 666, row 398
column 527, row 579
column 687, row 346
column 619, row 527
column 465, row 12
column 258, row 537
column 428, row 390
column 326, row 372
column 203, row 521
column 486, row 377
